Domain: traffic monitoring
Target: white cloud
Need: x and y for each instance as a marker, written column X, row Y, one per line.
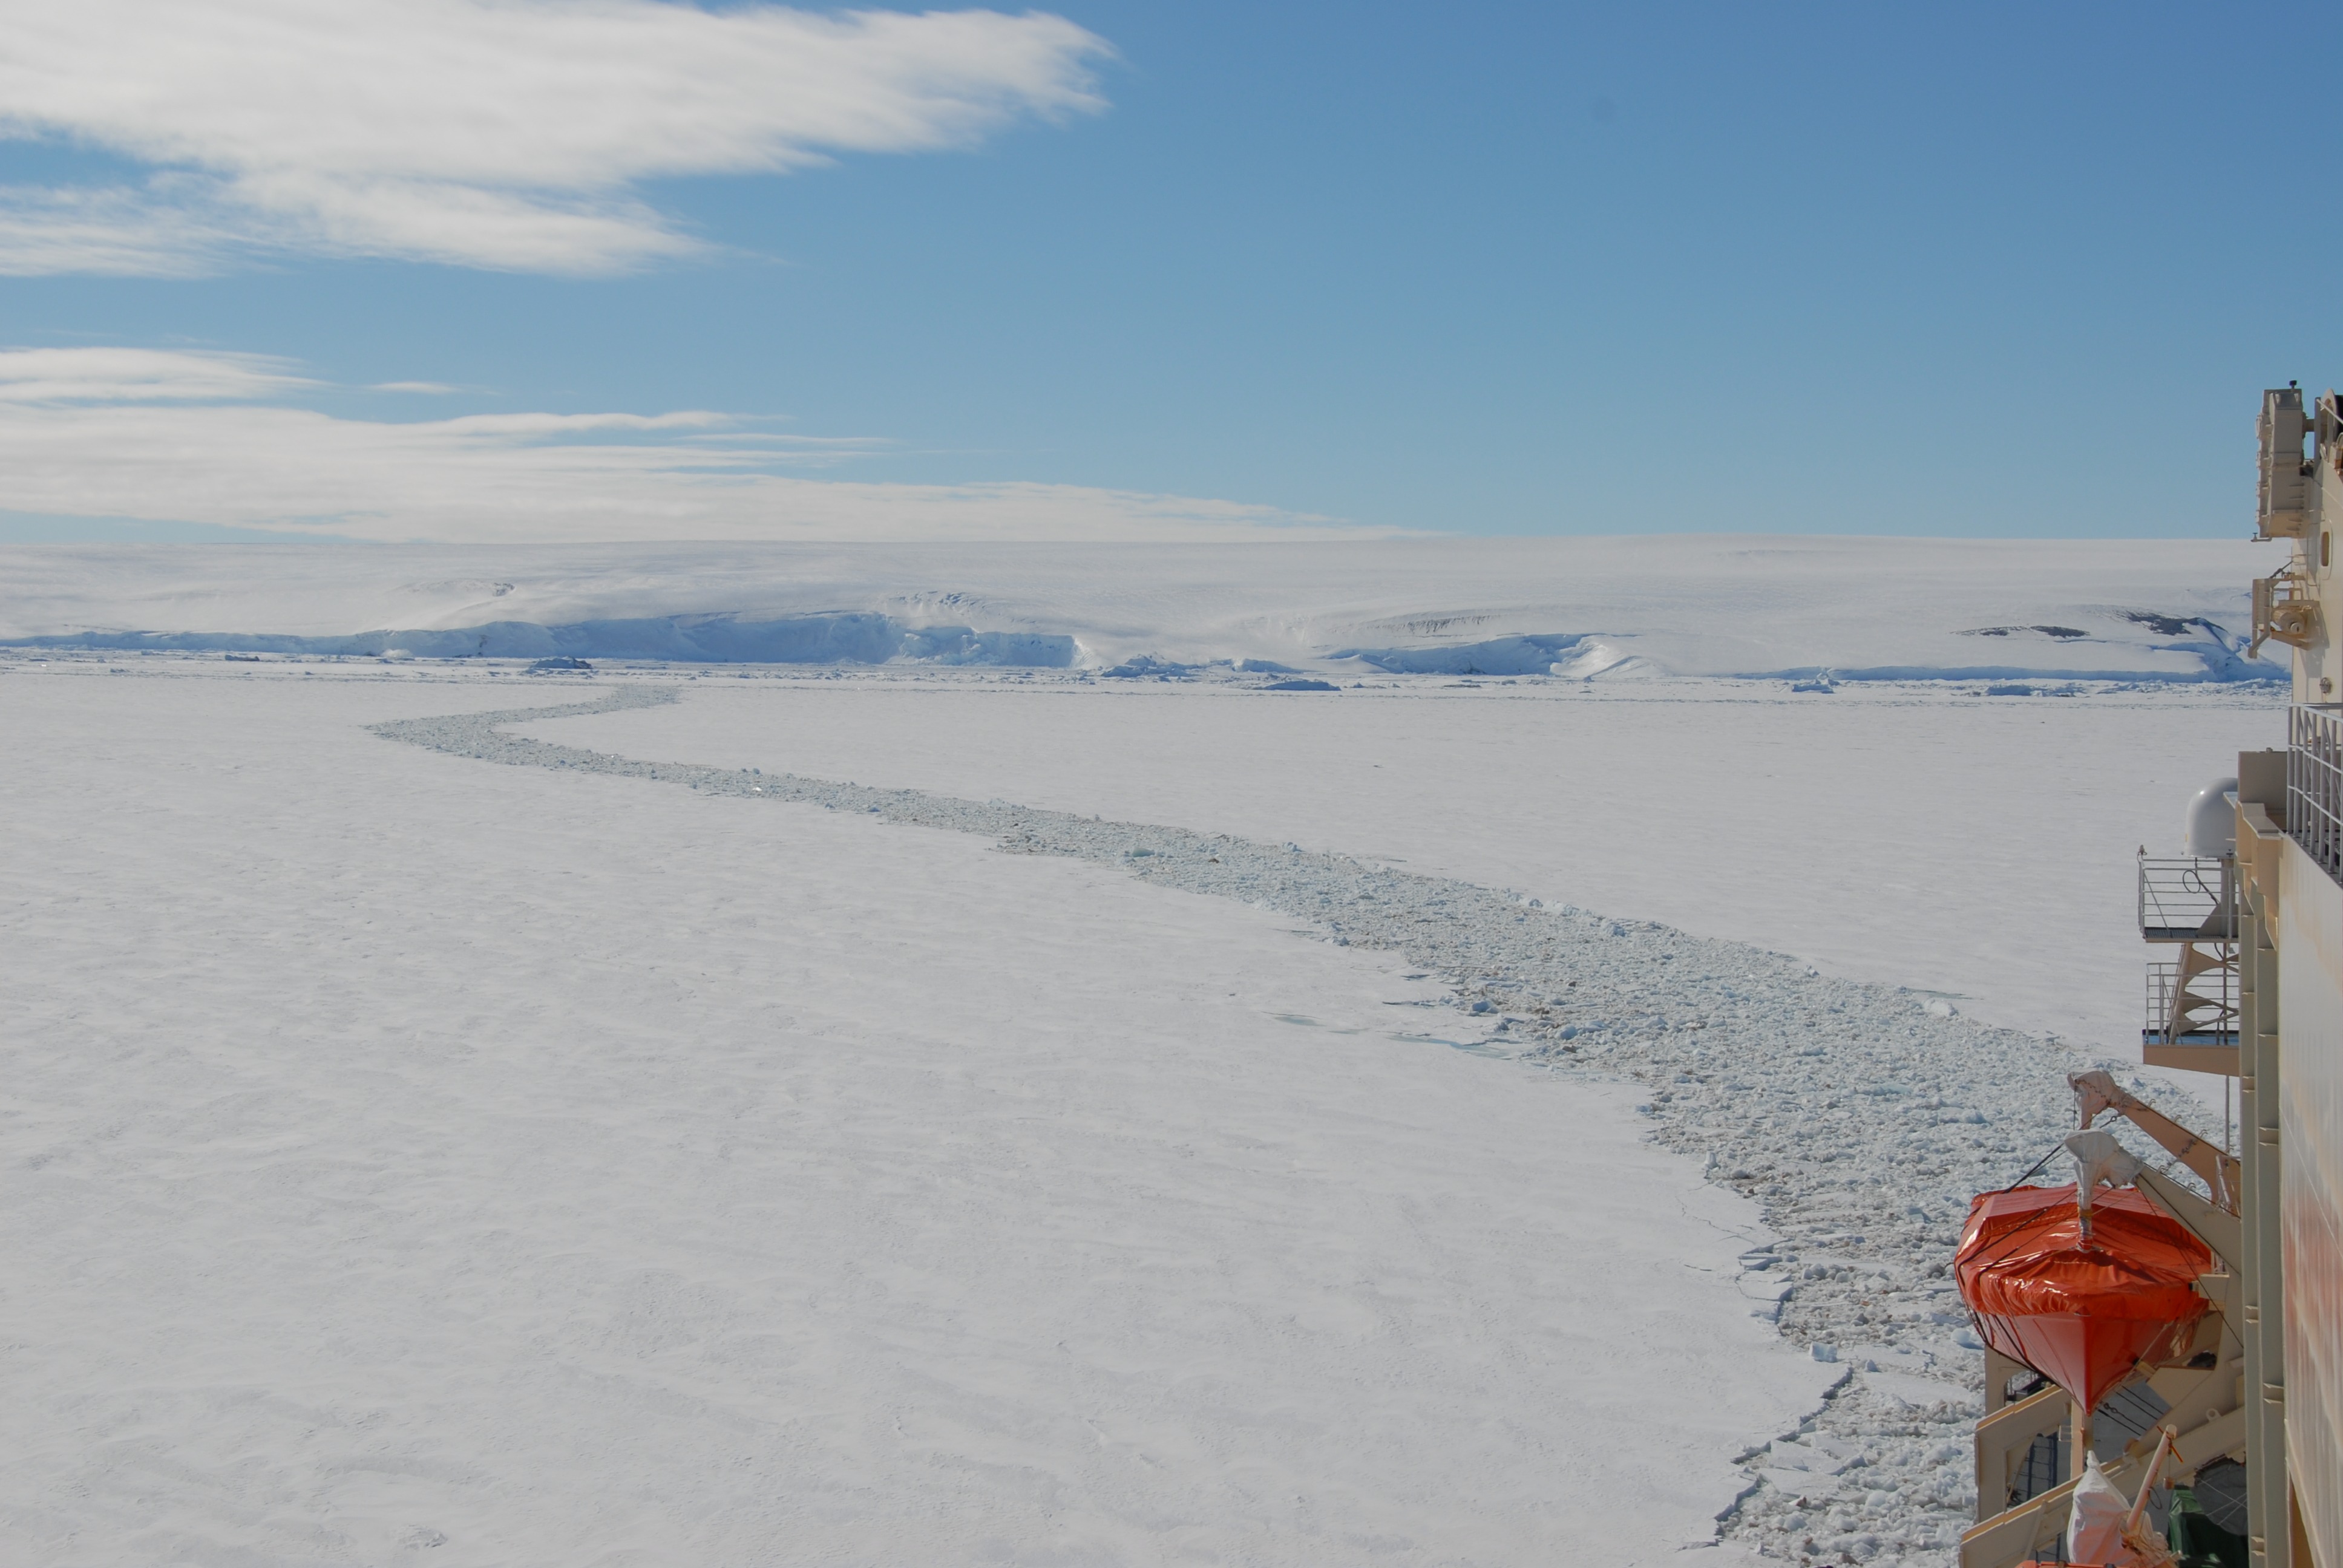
column 503, row 134
column 138, row 375
column 184, row 438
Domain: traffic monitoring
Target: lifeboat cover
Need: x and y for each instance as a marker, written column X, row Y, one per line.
column 2080, row 1314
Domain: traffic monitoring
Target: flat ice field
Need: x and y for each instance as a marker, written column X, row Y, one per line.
column 1507, row 1103
column 1979, row 849
column 412, row 1153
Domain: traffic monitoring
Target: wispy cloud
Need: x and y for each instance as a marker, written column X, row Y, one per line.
column 207, row 438
column 501, row 134
column 140, row 375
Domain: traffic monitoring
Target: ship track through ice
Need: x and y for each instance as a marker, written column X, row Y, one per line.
column 1860, row 1118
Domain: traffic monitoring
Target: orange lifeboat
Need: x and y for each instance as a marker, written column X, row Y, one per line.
column 2080, row 1308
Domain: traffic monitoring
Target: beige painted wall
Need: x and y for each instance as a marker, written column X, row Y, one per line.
column 2310, row 1012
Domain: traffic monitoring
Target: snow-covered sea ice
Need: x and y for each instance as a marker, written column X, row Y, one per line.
column 445, row 1056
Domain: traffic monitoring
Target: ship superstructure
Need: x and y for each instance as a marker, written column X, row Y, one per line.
column 2223, row 1430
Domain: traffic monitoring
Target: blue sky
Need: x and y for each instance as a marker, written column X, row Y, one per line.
column 1474, row 268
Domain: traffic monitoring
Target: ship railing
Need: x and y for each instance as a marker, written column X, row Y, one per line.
column 2314, row 783
column 2188, row 900
column 2191, row 1006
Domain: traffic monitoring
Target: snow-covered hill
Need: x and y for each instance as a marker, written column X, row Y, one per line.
column 1848, row 608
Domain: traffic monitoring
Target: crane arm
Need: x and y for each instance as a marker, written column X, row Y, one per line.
column 2096, row 1091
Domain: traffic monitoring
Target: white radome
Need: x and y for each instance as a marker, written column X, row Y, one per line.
column 2213, row 822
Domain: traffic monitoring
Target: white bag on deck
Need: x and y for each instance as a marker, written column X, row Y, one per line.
column 2095, row 1531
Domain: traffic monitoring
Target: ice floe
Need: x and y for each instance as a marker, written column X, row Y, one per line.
column 1862, row 1118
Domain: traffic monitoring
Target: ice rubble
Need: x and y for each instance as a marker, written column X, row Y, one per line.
column 1861, row 1118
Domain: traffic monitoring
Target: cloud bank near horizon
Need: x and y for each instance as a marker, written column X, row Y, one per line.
column 209, row 438
column 506, row 135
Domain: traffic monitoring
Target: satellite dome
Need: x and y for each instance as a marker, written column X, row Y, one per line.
column 2212, row 822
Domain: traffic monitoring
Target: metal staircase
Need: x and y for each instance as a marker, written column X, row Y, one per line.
column 2191, row 1001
